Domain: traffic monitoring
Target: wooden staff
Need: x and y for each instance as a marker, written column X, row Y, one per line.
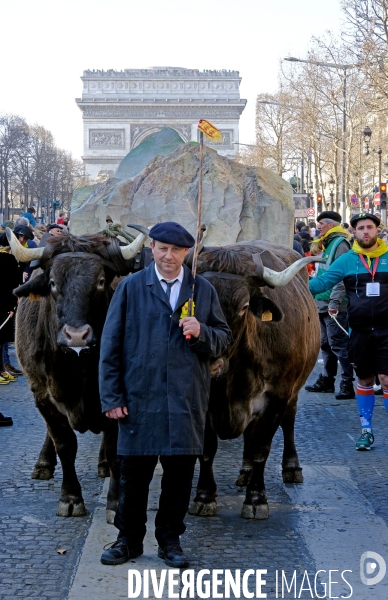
column 190, row 310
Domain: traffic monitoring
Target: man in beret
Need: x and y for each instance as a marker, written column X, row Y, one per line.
column 156, row 382
column 364, row 271
column 334, row 241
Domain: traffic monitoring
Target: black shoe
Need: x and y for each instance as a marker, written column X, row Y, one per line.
column 173, row 556
column 346, row 391
column 322, row 385
column 4, row 421
column 119, row 553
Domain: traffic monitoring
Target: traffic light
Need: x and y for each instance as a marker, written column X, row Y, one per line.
column 383, row 196
column 319, row 203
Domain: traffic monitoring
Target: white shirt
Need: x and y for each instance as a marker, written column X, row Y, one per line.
column 175, row 289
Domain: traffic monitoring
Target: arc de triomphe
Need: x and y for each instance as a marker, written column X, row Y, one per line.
column 120, row 109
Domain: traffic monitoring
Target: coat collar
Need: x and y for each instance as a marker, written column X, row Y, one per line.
column 186, row 288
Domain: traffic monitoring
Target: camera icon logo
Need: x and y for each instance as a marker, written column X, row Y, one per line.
column 368, row 565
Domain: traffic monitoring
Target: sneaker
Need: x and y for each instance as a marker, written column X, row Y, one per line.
column 8, row 377
column 119, row 553
column 322, row 385
column 11, row 370
column 366, row 441
column 346, row 391
column 173, row 556
column 5, row 421
column 3, row 380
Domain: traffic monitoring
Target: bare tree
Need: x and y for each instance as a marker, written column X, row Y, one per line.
column 34, row 171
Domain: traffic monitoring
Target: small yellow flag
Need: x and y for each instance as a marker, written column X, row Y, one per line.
column 211, row 132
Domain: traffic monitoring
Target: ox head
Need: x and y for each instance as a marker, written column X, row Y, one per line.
column 75, row 283
column 239, row 274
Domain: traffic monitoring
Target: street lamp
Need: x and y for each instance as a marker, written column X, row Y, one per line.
column 367, row 133
column 344, row 68
column 331, row 183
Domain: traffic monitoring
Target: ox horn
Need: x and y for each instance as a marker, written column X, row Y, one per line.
column 131, row 250
column 21, row 253
column 278, row 279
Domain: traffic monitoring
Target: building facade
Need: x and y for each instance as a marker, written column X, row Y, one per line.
column 120, row 109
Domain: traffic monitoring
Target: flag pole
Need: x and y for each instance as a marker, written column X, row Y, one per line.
column 199, row 223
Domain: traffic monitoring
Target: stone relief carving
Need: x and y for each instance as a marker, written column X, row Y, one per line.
column 168, row 113
column 162, row 71
column 106, row 138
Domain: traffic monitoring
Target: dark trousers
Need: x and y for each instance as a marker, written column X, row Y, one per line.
column 334, row 346
column 135, row 477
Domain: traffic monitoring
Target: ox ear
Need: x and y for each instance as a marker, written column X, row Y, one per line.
column 265, row 309
column 35, row 288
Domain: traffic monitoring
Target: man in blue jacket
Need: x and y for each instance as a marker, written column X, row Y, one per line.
column 30, row 215
column 364, row 271
column 157, row 383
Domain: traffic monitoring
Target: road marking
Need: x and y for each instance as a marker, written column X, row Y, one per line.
column 95, row 581
column 339, row 524
column 330, row 411
column 351, row 437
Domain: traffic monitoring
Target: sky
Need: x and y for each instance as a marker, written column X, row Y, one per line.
column 47, row 44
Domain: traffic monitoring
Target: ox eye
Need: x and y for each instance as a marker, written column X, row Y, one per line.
column 101, row 282
column 243, row 310
column 52, row 285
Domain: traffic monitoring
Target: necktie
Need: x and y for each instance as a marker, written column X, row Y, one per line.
column 169, row 285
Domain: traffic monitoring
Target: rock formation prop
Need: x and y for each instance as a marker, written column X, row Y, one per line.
column 240, row 202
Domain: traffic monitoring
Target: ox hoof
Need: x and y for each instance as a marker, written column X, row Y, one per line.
column 110, row 516
column 252, row 511
column 292, row 476
column 103, row 470
column 71, row 509
column 42, row 473
column 244, row 478
column 203, row 509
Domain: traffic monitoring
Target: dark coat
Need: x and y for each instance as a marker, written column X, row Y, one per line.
column 147, row 364
column 10, row 279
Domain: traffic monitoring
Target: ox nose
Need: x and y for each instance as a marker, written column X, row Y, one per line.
column 77, row 336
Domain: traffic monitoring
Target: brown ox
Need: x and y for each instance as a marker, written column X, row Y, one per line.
column 59, row 324
column 275, row 345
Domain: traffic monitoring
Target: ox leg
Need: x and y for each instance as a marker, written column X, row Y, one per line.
column 204, row 503
column 110, row 439
column 291, row 469
column 71, row 503
column 257, row 444
column 47, row 460
column 103, row 466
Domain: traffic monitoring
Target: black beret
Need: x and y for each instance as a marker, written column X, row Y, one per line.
column 330, row 214
column 24, row 230
column 359, row 217
column 172, row 233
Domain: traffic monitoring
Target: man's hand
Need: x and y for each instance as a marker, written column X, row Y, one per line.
column 117, row 413
column 333, row 311
column 190, row 326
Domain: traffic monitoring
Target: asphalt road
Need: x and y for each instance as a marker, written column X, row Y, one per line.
column 325, row 524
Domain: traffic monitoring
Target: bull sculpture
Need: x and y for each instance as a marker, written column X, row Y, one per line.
column 58, row 329
column 275, row 345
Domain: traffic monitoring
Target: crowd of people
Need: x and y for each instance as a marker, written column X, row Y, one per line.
column 350, row 288
column 30, row 234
